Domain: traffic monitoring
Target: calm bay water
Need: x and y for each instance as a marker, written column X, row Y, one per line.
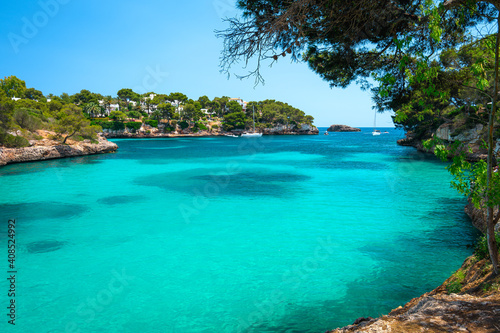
column 277, row 234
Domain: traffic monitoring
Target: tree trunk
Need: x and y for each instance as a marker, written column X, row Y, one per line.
column 68, row 136
column 490, row 227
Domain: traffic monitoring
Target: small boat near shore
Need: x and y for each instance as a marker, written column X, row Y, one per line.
column 252, row 134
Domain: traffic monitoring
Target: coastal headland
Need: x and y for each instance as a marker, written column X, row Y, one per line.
column 79, row 124
column 46, row 149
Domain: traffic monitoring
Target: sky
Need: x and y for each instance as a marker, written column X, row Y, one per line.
column 163, row 46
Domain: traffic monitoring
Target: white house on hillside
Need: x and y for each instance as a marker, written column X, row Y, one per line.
column 145, row 105
column 111, row 107
column 207, row 112
column 241, row 102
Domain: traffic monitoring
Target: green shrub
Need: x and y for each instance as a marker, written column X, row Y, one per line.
column 456, row 285
column 97, row 122
column 134, row 114
column 202, row 126
column 199, row 126
column 481, row 248
column 215, row 126
column 27, row 119
column 13, row 141
column 184, row 124
column 152, row 123
column 111, row 125
column 133, row 126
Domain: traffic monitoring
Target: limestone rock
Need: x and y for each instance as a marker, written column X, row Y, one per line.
column 478, row 217
column 46, row 149
column 304, row 129
column 476, row 309
column 343, row 128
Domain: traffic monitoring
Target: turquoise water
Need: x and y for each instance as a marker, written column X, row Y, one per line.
column 277, row 234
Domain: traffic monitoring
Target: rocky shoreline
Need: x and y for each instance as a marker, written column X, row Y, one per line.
column 475, row 154
column 475, row 307
column 48, row 149
column 304, row 130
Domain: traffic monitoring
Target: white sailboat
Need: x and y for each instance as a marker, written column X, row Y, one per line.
column 252, row 134
column 375, row 130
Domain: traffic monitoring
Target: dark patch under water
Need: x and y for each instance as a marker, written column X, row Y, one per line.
column 44, row 246
column 257, row 177
column 120, row 199
column 200, row 182
column 40, row 210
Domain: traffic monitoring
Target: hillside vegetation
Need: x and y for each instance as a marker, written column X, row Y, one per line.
column 24, row 111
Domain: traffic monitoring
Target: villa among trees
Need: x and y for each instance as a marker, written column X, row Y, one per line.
column 84, row 114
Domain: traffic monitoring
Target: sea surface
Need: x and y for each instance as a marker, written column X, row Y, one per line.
column 274, row 234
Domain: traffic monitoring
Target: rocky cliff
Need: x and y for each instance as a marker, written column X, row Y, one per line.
column 469, row 301
column 472, row 139
column 48, row 149
column 303, row 129
column 343, row 128
column 478, row 217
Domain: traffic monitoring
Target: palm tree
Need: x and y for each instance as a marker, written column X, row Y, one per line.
column 91, row 109
column 107, row 103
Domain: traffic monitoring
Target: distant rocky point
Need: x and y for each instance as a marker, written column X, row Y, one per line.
column 342, row 128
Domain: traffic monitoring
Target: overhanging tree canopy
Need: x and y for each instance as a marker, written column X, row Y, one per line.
column 342, row 41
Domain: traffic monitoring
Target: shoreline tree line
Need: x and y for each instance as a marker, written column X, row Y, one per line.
column 84, row 114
